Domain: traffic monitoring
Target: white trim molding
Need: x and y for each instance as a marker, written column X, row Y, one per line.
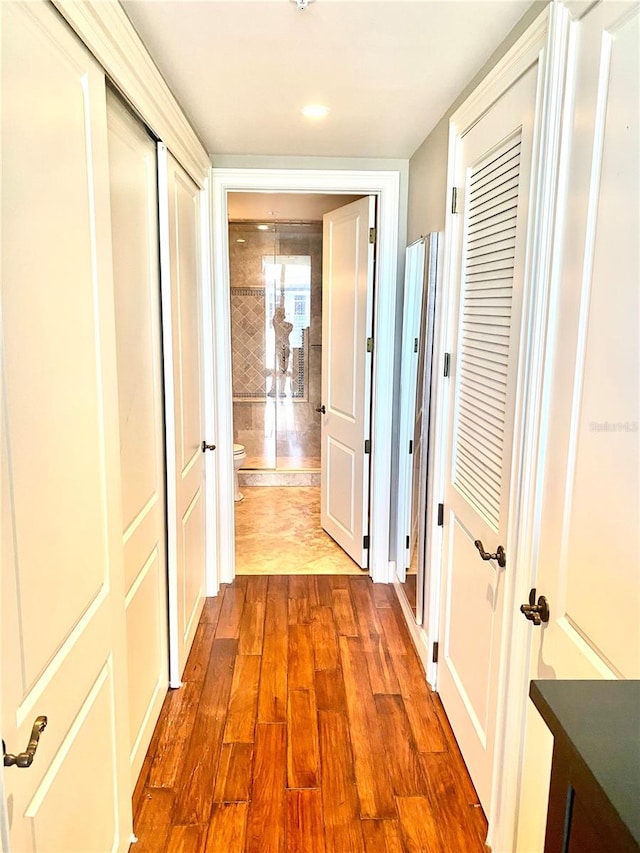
column 105, row 29
column 385, row 185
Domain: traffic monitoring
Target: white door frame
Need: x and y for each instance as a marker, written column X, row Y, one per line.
column 386, row 186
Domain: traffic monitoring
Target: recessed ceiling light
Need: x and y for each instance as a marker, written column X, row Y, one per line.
column 241, row 240
column 315, row 111
column 263, row 227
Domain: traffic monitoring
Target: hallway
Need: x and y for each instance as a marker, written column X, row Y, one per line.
column 304, row 724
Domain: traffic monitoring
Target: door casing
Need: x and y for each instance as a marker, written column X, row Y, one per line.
column 385, row 185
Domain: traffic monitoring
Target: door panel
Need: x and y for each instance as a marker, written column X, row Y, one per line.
column 51, row 810
column 589, row 548
column 471, row 581
column 188, row 306
column 340, row 479
column 134, row 229
column 347, row 299
column 63, row 628
column 493, row 164
column 185, row 466
column 410, row 430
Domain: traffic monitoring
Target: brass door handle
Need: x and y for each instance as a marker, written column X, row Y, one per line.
column 25, row 759
column 536, row 613
column 500, row 556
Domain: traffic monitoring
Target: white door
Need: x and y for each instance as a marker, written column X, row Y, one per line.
column 410, row 430
column 181, row 220
column 63, row 622
column 347, row 306
column 136, row 273
column 589, row 549
column 493, row 166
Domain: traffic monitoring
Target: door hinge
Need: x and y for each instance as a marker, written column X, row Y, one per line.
column 447, row 363
column 410, row 446
column 373, row 235
column 369, row 344
column 367, row 445
column 406, row 542
column 440, row 515
column 434, row 656
column 365, row 542
column 454, row 199
column 415, row 345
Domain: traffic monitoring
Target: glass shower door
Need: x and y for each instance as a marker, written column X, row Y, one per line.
column 276, row 331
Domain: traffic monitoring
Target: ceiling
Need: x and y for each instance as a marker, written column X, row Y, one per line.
column 275, row 207
column 243, row 69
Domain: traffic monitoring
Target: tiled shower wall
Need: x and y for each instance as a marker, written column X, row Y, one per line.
column 280, row 432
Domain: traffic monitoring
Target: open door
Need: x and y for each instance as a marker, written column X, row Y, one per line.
column 347, row 320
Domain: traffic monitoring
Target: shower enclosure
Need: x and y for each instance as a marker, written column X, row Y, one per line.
column 276, row 342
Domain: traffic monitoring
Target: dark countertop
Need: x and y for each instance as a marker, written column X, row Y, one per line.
column 601, row 721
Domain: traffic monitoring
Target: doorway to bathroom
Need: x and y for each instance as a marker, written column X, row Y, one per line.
column 275, row 283
column 385, row 188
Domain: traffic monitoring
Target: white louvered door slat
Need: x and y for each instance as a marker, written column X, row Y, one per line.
column 484, row 360
column 493, row 168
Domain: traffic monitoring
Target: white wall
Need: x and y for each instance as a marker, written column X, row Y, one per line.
column 428, row 165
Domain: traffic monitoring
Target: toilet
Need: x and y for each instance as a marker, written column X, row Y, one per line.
column 238, row 458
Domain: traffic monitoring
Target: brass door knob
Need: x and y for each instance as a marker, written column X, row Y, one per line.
column 500, row 556
column 25, row 759
column 536, row 612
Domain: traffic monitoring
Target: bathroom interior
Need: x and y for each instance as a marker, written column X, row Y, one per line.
column 275, row 266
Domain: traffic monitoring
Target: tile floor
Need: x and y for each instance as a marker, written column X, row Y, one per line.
column 278, row 532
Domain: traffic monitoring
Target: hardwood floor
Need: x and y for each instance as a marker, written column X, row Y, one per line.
column 304, row 725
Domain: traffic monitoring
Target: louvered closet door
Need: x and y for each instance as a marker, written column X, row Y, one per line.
column 493, row 172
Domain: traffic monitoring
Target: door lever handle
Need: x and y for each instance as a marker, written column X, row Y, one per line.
column 536, row 613
column 25, row 759
column 204, row 446
column 321, row 409
column 500, row 556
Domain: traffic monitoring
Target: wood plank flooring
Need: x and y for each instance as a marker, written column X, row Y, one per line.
column 304, row 725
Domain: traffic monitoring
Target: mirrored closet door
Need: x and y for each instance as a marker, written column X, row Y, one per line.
column 419, row 314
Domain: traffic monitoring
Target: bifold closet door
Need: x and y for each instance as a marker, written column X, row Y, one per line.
column 136, row 274
column 181, row 224
column 63, row 624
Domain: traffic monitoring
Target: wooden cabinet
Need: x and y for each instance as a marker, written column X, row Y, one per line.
column 594, row 799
